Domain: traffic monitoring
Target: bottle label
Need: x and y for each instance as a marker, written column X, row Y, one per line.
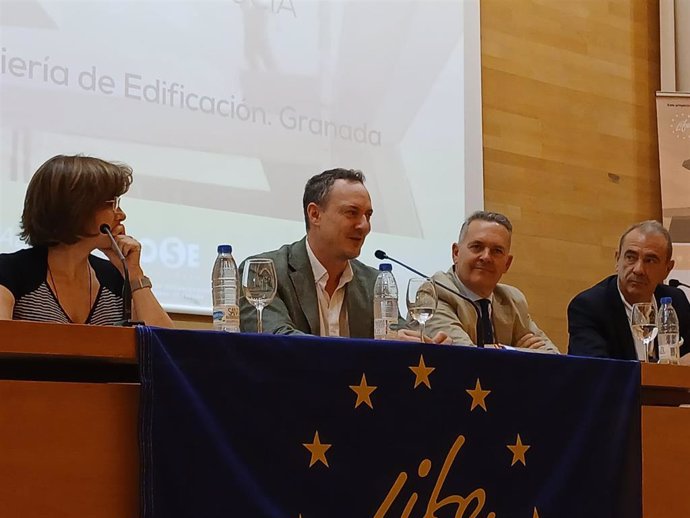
column 227, row 318
column 668, row 347
column 382, row 329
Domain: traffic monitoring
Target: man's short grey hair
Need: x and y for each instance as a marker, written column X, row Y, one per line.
column 651, row 226
column 482, row 215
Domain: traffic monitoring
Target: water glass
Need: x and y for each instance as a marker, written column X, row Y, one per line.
column 259, row 283
column 421, row 301
column 644, row 328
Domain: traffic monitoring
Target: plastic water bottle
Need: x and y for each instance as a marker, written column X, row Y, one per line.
column 225, row 287
column 667, row 324
column 385, row 304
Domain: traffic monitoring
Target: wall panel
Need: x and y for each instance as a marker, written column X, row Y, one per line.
column 570, row 150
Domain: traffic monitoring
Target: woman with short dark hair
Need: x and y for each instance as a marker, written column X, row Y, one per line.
column 57, row 279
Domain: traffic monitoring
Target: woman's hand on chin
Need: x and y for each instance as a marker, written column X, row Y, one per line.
column 131, row 250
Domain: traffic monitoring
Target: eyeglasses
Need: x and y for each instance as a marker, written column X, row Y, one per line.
column 115, row 202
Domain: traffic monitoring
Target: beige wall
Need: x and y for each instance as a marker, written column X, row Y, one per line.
column 570, row 150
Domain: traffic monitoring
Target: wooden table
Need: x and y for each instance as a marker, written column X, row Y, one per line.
column 68, row 425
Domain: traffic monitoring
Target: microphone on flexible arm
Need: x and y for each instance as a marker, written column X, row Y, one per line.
column 126, row 288
column 381, row 255
column 675, row 283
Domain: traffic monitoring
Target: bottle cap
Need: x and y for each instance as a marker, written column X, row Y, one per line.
column 665, row 300
column 385, row 267
column 224, row 249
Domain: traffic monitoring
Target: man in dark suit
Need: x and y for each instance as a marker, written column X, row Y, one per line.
column 599, row 318
column 322, row 288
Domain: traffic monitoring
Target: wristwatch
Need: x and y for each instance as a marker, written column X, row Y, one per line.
column 143, row 282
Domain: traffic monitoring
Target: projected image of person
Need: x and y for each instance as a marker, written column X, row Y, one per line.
column 57, row 279
column 257, row 44
column 322, row 288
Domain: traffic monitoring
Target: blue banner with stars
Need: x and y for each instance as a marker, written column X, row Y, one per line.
column 253, row 426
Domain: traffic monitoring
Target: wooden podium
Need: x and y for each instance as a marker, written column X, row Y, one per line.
column 68, row 422
column 68, row 425
column 665, row 441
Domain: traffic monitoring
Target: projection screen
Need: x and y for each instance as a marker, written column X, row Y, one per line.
column 225, row 108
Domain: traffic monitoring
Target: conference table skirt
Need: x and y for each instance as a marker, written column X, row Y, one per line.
column 326, row 427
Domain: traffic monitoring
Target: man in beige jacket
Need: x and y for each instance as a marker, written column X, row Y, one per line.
column 489, row 313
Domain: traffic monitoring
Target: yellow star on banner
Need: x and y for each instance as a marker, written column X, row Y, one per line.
column 535, row 515
column 317, row 450
column 363, row 392
column 421, row 373
column 478, row 396
column 518, row 450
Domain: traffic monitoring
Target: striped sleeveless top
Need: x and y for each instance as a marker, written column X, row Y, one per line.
column 24, row 272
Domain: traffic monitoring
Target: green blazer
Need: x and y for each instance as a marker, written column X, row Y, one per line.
column 295, row 309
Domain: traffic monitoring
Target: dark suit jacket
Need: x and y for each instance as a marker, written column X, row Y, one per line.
column 598, row 324
column 295, row 309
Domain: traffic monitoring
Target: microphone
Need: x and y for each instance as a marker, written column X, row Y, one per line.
column 126, row 288
column 380, row 254
column 675, row 283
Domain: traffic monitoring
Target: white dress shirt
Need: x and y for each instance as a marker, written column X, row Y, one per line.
column 464, row 290
column 332, row 313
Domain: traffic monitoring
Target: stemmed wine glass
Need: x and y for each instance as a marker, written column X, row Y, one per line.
column 421, row 301
column 644, row 328
column 259, row 283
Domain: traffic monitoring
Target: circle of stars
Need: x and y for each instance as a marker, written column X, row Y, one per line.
column 422, row 373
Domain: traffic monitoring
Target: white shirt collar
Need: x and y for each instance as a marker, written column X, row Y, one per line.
column 333, row 318
column 468, row 292
column 321, row 274
column 316, row 266
column 628, row 306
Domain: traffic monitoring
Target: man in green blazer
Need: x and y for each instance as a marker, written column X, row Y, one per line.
column 296, row 307
column 488, row 312
column 322, row 288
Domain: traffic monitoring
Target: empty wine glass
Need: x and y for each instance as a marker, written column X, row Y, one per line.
column 421, row 301
column 259, row 283
column 644, row 328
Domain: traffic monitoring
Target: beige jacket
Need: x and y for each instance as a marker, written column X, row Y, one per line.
column 457, row 317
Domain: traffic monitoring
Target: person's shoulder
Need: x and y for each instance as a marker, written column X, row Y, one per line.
column 359, row 268
column 444, row 276
column 23, row 270
column 510, row 295
column 107, row 273
column 509, row 292
column 25, row 255
column 449, row 288
column 676, row 294
column 280, row 255
column 446, row 285
column 596, row 293
column 24, row 260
